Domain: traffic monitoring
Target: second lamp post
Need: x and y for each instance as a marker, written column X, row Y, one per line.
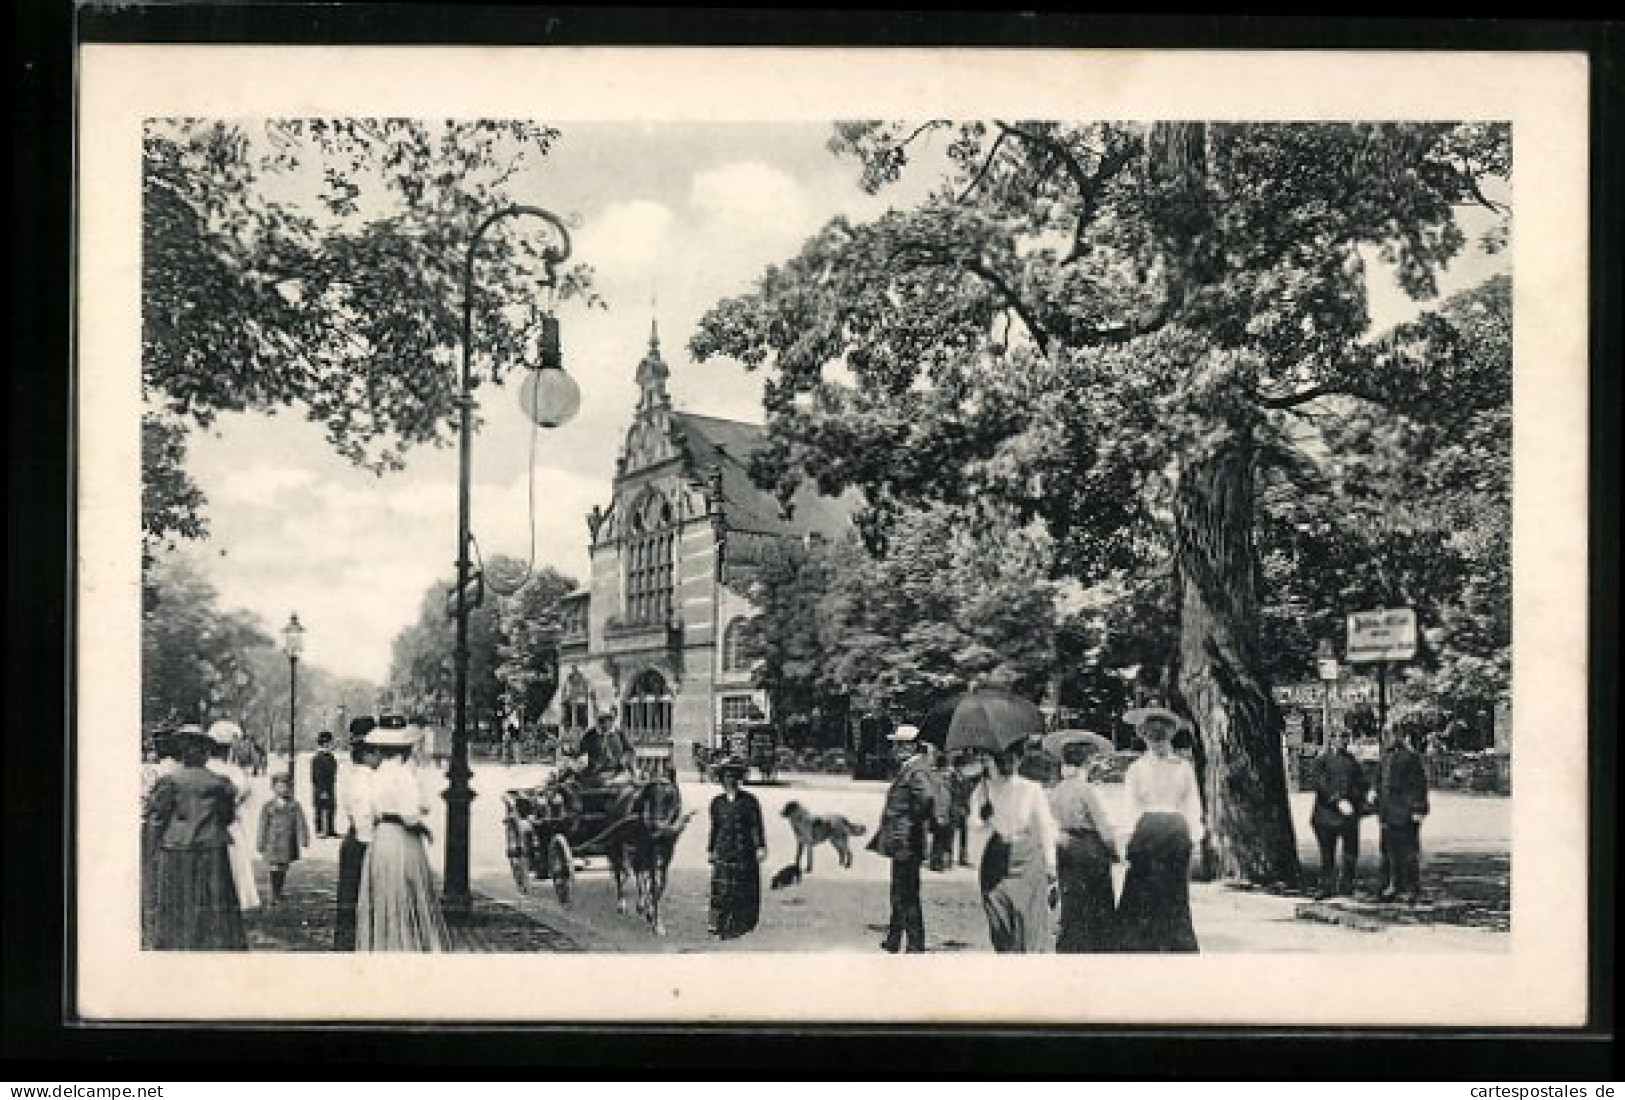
column 293, row 643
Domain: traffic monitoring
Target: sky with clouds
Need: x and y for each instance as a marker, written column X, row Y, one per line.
column 671, row 217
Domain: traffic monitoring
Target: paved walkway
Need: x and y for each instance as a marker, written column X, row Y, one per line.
column 304, row 921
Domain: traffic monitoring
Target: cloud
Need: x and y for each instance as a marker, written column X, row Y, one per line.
column 749, row 192
column 261, row 484
column 628, row 241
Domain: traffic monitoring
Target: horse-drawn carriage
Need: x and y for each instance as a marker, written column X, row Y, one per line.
column 633, row 822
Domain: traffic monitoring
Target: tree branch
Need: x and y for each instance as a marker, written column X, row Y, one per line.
column 1088, row 183
column 920, row 129
column 992, row 152
column 1478, row 195
column 943, row 256
column 1301, row 397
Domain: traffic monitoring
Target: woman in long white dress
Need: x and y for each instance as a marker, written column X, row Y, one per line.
column 1018, row 862
column 398, row 908
column 224, row 734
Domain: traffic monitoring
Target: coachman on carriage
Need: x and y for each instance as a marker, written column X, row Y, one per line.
column 631, row 820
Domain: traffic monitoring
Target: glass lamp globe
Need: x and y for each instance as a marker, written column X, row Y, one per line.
column 550, row 397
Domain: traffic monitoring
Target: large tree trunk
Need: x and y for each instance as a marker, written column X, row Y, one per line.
column 1249, row 820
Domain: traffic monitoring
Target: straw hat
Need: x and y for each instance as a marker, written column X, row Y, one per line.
column 193, row 732
column 735, row 764
column 1167, row 723
column 905, row 734
column 225, row 732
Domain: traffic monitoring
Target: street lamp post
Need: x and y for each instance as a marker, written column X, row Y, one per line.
column 550, row 398
column 293, row 642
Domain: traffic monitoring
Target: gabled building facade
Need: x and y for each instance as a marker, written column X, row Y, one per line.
column 658, row 631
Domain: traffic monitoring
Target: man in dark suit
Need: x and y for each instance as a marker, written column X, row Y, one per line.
column 1341, row 795
column 324, row 775
column 606, row 749
column 912, row 809
column 1402, row 803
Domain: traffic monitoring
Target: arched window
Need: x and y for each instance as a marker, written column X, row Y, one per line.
column 576, row 709
column 650, row 561
column 646, row 713
column 739, row 650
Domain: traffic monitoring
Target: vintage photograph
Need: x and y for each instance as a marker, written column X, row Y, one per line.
column 906, row 531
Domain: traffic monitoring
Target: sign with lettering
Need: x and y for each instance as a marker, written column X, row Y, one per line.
column 1386, row 634
column 1345, row 694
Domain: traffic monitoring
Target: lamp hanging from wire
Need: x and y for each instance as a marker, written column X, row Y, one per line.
column 549, row 396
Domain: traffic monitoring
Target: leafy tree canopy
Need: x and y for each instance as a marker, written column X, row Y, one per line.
column 318, row 264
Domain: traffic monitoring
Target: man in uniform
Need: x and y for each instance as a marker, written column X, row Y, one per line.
column 324, row 775
column 912, row 810
column 1402, row 803
column 1341, row 795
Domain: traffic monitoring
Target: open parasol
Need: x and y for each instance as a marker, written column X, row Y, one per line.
column 991, row 719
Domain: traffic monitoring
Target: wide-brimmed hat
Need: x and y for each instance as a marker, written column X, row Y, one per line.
column 1139, row 716
column 1056, row 744
column 906, row 734
column 190, row 731
column 225, row 732
column 735, row 764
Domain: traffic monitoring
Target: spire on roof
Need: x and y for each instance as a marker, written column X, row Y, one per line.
column 652, row 373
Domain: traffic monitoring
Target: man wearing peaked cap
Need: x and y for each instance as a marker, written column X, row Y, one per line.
column 324, row 776
column 912, row 805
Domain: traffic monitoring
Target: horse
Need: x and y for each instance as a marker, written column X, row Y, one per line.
column 642, row 847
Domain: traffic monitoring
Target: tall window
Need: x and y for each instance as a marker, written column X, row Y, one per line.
column 577, row 706
column 738, row 649
column 650, row 561
column 646, row 714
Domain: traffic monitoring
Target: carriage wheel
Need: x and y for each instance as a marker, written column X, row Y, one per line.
column 517, row 857
column 561, row 868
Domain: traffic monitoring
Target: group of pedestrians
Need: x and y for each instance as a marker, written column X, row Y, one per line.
column 198, row 875
column 1049, row 850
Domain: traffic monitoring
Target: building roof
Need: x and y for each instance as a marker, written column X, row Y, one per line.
column 729, row 445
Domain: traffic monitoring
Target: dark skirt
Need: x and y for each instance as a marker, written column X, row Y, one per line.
column 197, row 902
column 1088, row 914
column 736, row 897
column 1015, row 896
column 1155, row 911
column 149, row 885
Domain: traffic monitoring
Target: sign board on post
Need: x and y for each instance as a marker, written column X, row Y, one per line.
column 1387, row 634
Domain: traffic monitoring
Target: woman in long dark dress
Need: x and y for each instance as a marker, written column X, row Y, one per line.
column 737, row 847
column 1085, row 852
column 190, row 811
column 1154, row 913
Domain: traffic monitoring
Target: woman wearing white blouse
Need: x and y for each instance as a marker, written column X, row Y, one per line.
column 1018, row 862
column 1154, row 913
column 397, row 909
